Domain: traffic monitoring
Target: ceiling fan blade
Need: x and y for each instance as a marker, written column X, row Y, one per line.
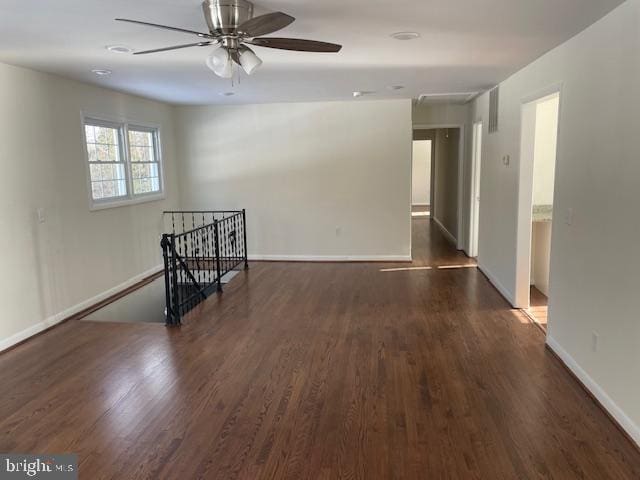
column 296, row 44
column 166, row 27
column 265, row 24
column 175, row 47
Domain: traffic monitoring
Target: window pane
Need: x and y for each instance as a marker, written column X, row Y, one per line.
column 145, row 168
column 142, row 154
column 96, row 190
column 90, row 133
column 142, row 146
column 146, row 185
column 106, row 135
column 140, row 139
column 106, row 165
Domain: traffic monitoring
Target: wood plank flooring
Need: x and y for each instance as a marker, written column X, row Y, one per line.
column 538, row 306
column 316, row 371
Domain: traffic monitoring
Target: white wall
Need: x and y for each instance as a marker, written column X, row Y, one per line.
column 594, row 261
column 318, row 180
column 544, row 161
column 421, row 177
column 50, row 268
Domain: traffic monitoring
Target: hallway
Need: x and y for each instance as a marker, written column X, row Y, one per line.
column 329, row 371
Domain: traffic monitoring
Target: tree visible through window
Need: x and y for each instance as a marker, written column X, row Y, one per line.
column 106, row 165
column 124, row 162
column 145, row 170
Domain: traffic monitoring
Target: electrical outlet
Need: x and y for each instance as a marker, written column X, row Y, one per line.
column 506, row 160
column 595, row 340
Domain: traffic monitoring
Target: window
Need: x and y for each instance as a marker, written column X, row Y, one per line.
column 106, row 163
column 124, row 163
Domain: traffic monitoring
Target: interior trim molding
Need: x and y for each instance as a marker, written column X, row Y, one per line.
column 66, row 314
column 504, row 291
column 330, row 258
column 599, row 395
column 446, row 232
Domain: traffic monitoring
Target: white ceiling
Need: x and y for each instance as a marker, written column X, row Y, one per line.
column 466, row 45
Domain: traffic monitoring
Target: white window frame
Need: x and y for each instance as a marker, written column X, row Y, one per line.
column 123, row 126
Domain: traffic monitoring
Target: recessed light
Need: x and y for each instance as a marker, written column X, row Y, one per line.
column 228, row 94
column 361, row 93
column 405, row 35
column 101, row 72
column 119, row 49
column 395, row 87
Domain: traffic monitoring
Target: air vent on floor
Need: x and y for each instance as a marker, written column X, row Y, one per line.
column 494, row 104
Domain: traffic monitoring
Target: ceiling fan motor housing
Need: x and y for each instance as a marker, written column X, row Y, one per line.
column 224, row 16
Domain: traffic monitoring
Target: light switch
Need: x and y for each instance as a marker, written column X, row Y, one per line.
column 568, row 216
column 506, row 160
column 41, row 215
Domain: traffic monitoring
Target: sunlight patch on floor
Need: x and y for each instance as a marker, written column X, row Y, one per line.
column 439, row 267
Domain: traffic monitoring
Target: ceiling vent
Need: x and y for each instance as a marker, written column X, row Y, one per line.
column 494, row 106
column 459, row 98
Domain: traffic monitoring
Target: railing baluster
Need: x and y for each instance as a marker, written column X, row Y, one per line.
column 175, row 320
column 196, row 258
column 217, row 250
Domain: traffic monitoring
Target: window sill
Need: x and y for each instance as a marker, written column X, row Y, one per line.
column 127, row 202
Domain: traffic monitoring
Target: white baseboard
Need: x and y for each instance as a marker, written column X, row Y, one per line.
column 597, row 391
column 504, row 291
column 331, row 258
column 59, row 317
column 446, row 232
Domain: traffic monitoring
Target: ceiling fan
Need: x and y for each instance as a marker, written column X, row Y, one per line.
column 231, row 27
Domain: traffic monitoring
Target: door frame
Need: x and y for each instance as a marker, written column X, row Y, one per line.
column 461, row 151
column 476, row 168
column 525, row 199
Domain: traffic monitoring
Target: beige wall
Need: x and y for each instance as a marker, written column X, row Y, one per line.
column 446, row 179
column 440, row 114
column 318, row 180
column 594, row 261
column 50, row 268
column 421, row 177
column 540, row 255
column 544, row 160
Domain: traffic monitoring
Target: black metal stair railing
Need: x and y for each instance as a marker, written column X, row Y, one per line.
column 201, row 249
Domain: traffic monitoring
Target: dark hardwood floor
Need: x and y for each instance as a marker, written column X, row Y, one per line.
column 316, row 371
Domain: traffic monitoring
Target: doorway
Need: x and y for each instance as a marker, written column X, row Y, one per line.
column 539, row 140
column 476, row 153
column 421, row 178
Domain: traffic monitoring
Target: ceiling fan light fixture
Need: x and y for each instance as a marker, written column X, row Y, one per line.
column 100, row 72
column 405, row 35
column 220, row 63
column 119, row 49
column 249, row 61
